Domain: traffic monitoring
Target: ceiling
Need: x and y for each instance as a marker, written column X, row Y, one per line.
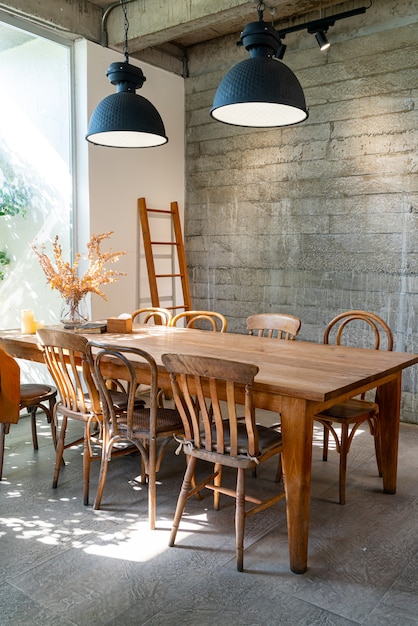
column 158, row 27
column 162, row 31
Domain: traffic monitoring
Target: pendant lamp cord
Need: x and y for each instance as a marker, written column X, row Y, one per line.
column 126, row 27
column 260, row 10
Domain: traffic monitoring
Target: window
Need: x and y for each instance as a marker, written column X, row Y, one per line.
column 36, row 188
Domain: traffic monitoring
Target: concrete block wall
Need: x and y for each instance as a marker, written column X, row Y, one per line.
column 321, row 217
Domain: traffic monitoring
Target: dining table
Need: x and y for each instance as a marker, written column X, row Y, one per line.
column 296, row 379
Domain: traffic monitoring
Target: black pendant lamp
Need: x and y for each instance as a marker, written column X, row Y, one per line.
column 261, row 91
column 125, row 119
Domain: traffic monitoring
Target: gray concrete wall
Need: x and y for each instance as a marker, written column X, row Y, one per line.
column 321, row 217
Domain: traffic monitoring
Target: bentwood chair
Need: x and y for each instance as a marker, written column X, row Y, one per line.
column 156, row 315
column 66, row 359
column 215, row 321
column 354, row 327
column 274, row 325
column 31, row 396
column 220, row 439
column 159, row 317
column 142, row 427
column 280, row 325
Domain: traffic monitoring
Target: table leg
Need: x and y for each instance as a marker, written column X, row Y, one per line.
column 297, row 431
column 388, row 397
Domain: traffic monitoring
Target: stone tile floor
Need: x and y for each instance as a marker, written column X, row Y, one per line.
column 64, row 564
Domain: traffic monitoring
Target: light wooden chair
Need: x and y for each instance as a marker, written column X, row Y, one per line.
column 280, row 325
column 220, row 439
column 30, row 396
column 142, row 427
column 358, row 326
column 65, row 355
column 215, row 321
column 156, row 315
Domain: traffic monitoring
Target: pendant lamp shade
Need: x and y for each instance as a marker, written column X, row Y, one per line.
column 125, row 119
column 261, row 91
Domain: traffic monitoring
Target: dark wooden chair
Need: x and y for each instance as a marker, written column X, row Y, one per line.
column 354, row 327
column 31, row 396
column 280, row 325
column 217, row 437
column 215, row 321
column 142, row 427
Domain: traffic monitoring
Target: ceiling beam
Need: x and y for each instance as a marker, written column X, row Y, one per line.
column 154, row 22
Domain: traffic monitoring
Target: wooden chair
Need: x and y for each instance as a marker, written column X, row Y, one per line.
column 140, row 426
column 216, row 321
column 158, row 316
column 66, row 358
column 274, row 325
column 222, row 441
column 154, row 314
column 355, row 324
column 29, row 396
column 280, row 325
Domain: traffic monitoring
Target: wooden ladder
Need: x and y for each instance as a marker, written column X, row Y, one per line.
column 178, row 257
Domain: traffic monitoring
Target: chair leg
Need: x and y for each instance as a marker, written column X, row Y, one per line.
column 143, row 472
column 32, row 411
column 377, row 446
column 240, row 518
column 325, row 444
column 4, row 429
column 102, row 477
column 217, row 482
column 344, row 446
column 52, row 421
column 59, row 451
column 152, row 482
column 183, row 496
column 86, row 466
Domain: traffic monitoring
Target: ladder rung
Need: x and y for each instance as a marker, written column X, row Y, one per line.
column 164, row 243
column 179, row 306
column 158, row 211
column 168, row 275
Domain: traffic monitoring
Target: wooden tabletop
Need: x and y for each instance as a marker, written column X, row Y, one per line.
column 298, row 369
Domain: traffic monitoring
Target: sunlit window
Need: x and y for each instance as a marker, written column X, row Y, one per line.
column 36, row 187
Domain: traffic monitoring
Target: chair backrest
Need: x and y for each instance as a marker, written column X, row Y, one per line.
column 9, row 388
column 366, row 330
column 132, row 365
column 157, row 315
column 211, row 429
column 216, row 321
column 280, row 325
column 65, row 354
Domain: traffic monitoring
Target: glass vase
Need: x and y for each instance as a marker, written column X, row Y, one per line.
column 74, row 312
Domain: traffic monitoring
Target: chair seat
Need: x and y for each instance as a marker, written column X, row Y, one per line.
column 349, row 411
column 119, row 399
column 167, row 420
column 32, row 393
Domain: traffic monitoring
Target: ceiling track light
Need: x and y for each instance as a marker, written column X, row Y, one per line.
column 125, row 119
column 260, row 92
column 320, row 27
column 322, row 40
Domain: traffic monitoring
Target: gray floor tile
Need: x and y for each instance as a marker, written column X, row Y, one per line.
column 65, row 564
